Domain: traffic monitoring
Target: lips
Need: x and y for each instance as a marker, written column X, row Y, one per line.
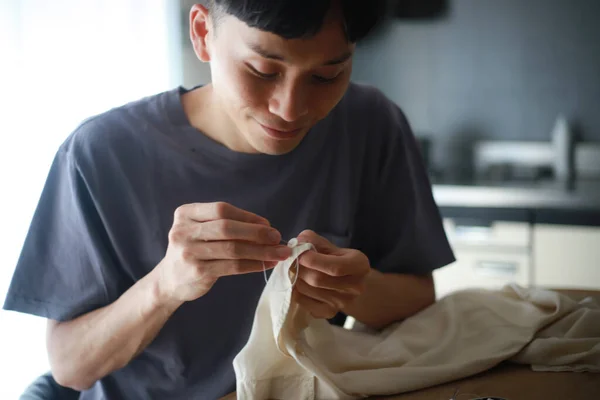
column 280, row 133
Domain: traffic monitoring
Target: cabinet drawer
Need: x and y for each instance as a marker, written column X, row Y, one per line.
column 483, row 269
column 495, row 233
column 567, row 256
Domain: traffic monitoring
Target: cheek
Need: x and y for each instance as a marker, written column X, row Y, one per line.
column 242, row 90
column 251, row 93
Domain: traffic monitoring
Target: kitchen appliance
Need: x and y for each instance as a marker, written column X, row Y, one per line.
column 561, row 160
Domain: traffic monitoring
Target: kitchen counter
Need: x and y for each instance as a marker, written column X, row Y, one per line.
column 511, row 381
column 584, row 195
column 535, row 202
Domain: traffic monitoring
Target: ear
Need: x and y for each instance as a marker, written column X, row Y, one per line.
column 199, row 30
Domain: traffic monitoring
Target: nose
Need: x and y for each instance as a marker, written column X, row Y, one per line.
column 288, row 101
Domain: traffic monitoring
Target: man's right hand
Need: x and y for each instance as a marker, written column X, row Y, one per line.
column 210, row 240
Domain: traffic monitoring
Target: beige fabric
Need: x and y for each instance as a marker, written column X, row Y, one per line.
column 291, row 355
column 571, row 343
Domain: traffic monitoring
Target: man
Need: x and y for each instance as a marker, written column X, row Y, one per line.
column 157, row 215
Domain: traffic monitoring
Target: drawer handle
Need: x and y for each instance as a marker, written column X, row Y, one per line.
column 474, row 233
column 496, row 268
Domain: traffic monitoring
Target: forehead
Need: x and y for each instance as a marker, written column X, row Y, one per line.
column 330, row 42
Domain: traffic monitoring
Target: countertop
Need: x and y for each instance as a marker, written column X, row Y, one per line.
column 512, row 382
column 549, row 195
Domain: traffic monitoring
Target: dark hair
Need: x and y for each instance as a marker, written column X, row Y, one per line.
column 293, row 19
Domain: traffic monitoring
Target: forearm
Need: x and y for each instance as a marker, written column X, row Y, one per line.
column 85, row 349
column 391, row 297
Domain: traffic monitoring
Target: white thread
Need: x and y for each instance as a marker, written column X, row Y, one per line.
column 265, row 268
column 292, row 243
column 265, row 272
column 297, row 271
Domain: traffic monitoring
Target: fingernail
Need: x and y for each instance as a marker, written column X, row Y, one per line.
column 283, row 252
column 274, row 236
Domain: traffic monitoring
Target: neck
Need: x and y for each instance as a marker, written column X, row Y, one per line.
column 205, row 112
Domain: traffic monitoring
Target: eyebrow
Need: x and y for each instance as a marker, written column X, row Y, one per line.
column 272, row 56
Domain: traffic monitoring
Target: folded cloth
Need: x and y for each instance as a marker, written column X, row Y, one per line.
column 291, row 355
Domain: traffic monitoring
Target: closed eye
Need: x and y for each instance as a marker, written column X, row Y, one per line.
column 261, row 74
column 322, row 79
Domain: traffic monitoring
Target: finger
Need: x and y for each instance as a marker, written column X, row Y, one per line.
column 228, row 229
column 218, row 268
column 202, row 212
column 316, row 308
column 321, row 244
column 334, row 298
column 334, row 265
column 237, row 250
column 352, row 284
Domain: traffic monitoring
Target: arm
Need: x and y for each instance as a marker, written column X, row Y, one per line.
column 391, row 297
column 87, row 348
column 335, row 279
column 207, row 241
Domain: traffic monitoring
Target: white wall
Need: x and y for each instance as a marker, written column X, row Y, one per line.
column 61, row 63
column 195, row 72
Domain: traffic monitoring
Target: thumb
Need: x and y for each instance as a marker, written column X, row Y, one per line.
column 321, row 244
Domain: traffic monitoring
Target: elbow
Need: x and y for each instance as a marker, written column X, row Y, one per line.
column 70, row 380
column 67, row 374
column 65, row 369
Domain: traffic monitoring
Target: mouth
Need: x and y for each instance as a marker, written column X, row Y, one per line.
column 280, row 134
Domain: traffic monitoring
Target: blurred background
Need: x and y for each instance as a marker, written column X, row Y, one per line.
column 503, row 96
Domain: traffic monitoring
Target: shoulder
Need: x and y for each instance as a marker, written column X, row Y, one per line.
column 362, row 96
column 373, row 123
column 367, row 106
column 114, row 133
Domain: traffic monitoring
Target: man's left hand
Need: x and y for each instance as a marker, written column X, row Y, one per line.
column 330, row 278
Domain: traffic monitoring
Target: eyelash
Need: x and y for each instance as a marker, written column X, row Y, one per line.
column 261, row 75
column 317, row 78
column 321, row 79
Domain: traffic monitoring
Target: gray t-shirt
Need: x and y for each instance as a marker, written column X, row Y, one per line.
column 106, row 209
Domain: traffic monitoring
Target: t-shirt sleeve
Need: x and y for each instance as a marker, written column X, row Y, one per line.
column 399, row 224
column 67, row 266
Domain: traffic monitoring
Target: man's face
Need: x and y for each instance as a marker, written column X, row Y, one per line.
column 274, row 90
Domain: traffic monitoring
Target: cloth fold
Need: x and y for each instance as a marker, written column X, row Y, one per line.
column 290, row 354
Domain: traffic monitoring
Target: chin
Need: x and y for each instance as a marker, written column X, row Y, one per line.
column 266, row 144
column 275, row 148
